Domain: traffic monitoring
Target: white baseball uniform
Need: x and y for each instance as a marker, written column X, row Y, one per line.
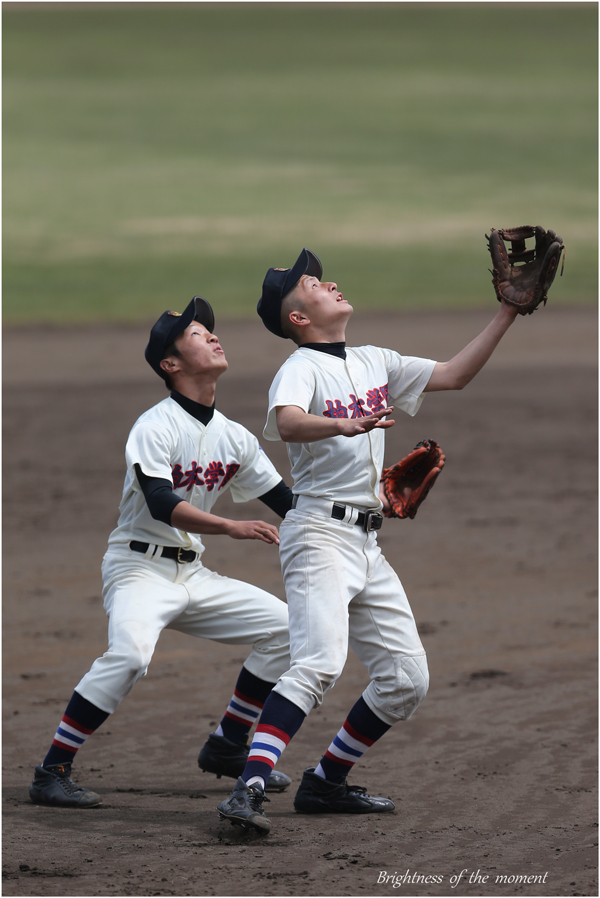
column 145, row 593
column 340, row 589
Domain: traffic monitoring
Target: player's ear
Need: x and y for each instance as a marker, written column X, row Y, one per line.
column 298, row 318
column 170, row 365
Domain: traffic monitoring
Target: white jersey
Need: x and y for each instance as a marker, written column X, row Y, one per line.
column 339, row 468
column 200, row 461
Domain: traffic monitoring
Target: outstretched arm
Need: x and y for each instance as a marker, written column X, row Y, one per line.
column 297, row 426
column 171, row 509
column 456, row 374
column 187, row 517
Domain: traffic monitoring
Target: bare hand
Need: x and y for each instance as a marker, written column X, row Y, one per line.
column 351, row 427
column 253, row 530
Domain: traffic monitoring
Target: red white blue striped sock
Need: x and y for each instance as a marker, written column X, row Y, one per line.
column 244, row 707
column 279, row 722
column 80, row 720
column 70, row 735
column 267, row 745
column 360, row 730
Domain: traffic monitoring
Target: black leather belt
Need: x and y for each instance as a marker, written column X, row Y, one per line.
column 368, row 520
column 179, row 555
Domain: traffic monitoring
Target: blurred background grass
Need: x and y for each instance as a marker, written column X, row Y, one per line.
column 153, row 151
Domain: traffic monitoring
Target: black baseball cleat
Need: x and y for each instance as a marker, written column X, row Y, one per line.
column 244, row 808
column 54, row 786
column 318, row 796
column 225, row 758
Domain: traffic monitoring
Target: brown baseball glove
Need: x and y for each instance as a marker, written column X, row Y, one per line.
column 522, row 277
column 407, row 483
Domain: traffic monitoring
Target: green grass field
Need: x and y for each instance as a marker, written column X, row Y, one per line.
column 153, row 151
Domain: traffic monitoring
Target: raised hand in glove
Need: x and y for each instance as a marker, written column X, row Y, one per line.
column 522, row 277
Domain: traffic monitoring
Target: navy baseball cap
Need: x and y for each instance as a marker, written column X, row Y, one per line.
column 278, row 282
column 171, row 324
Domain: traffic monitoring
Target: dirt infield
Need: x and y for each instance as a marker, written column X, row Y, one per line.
column 495, row 774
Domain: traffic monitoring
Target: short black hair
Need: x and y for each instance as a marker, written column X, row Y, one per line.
column 169, row 351
column 287, row 328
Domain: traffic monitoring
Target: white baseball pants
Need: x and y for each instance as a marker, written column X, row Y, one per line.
column 341, row 591
column 145, row 595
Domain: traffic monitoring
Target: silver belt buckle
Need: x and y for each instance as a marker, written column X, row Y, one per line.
column 373, row 521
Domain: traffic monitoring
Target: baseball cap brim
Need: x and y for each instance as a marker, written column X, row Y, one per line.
column 203, row 313
column 306, row 263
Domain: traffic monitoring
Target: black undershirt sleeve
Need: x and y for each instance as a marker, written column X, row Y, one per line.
column 159, row 496
column 279, row 499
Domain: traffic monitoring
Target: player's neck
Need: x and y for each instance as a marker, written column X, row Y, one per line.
column 200, row 389
column 333, row 333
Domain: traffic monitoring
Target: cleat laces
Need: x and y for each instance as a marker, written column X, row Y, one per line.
column 62, row 772
column 255, row 799
column 360, row 789
column 69, row 786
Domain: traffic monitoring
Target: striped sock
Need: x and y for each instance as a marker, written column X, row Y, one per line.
column 78, row 722
column 245, row 706
column 279, row 722
column 360, row 730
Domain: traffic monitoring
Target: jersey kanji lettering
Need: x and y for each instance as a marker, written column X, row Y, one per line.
column 356, row 407
column 213, row 473
column 191, row 478
column 376, row 400
column 335, row 409
column 229, row 473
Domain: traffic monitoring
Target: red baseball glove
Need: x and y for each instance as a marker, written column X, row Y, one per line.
column 407, row 483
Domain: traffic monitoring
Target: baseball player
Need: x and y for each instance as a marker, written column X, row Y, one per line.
column 181, row 455
column 331, row 405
